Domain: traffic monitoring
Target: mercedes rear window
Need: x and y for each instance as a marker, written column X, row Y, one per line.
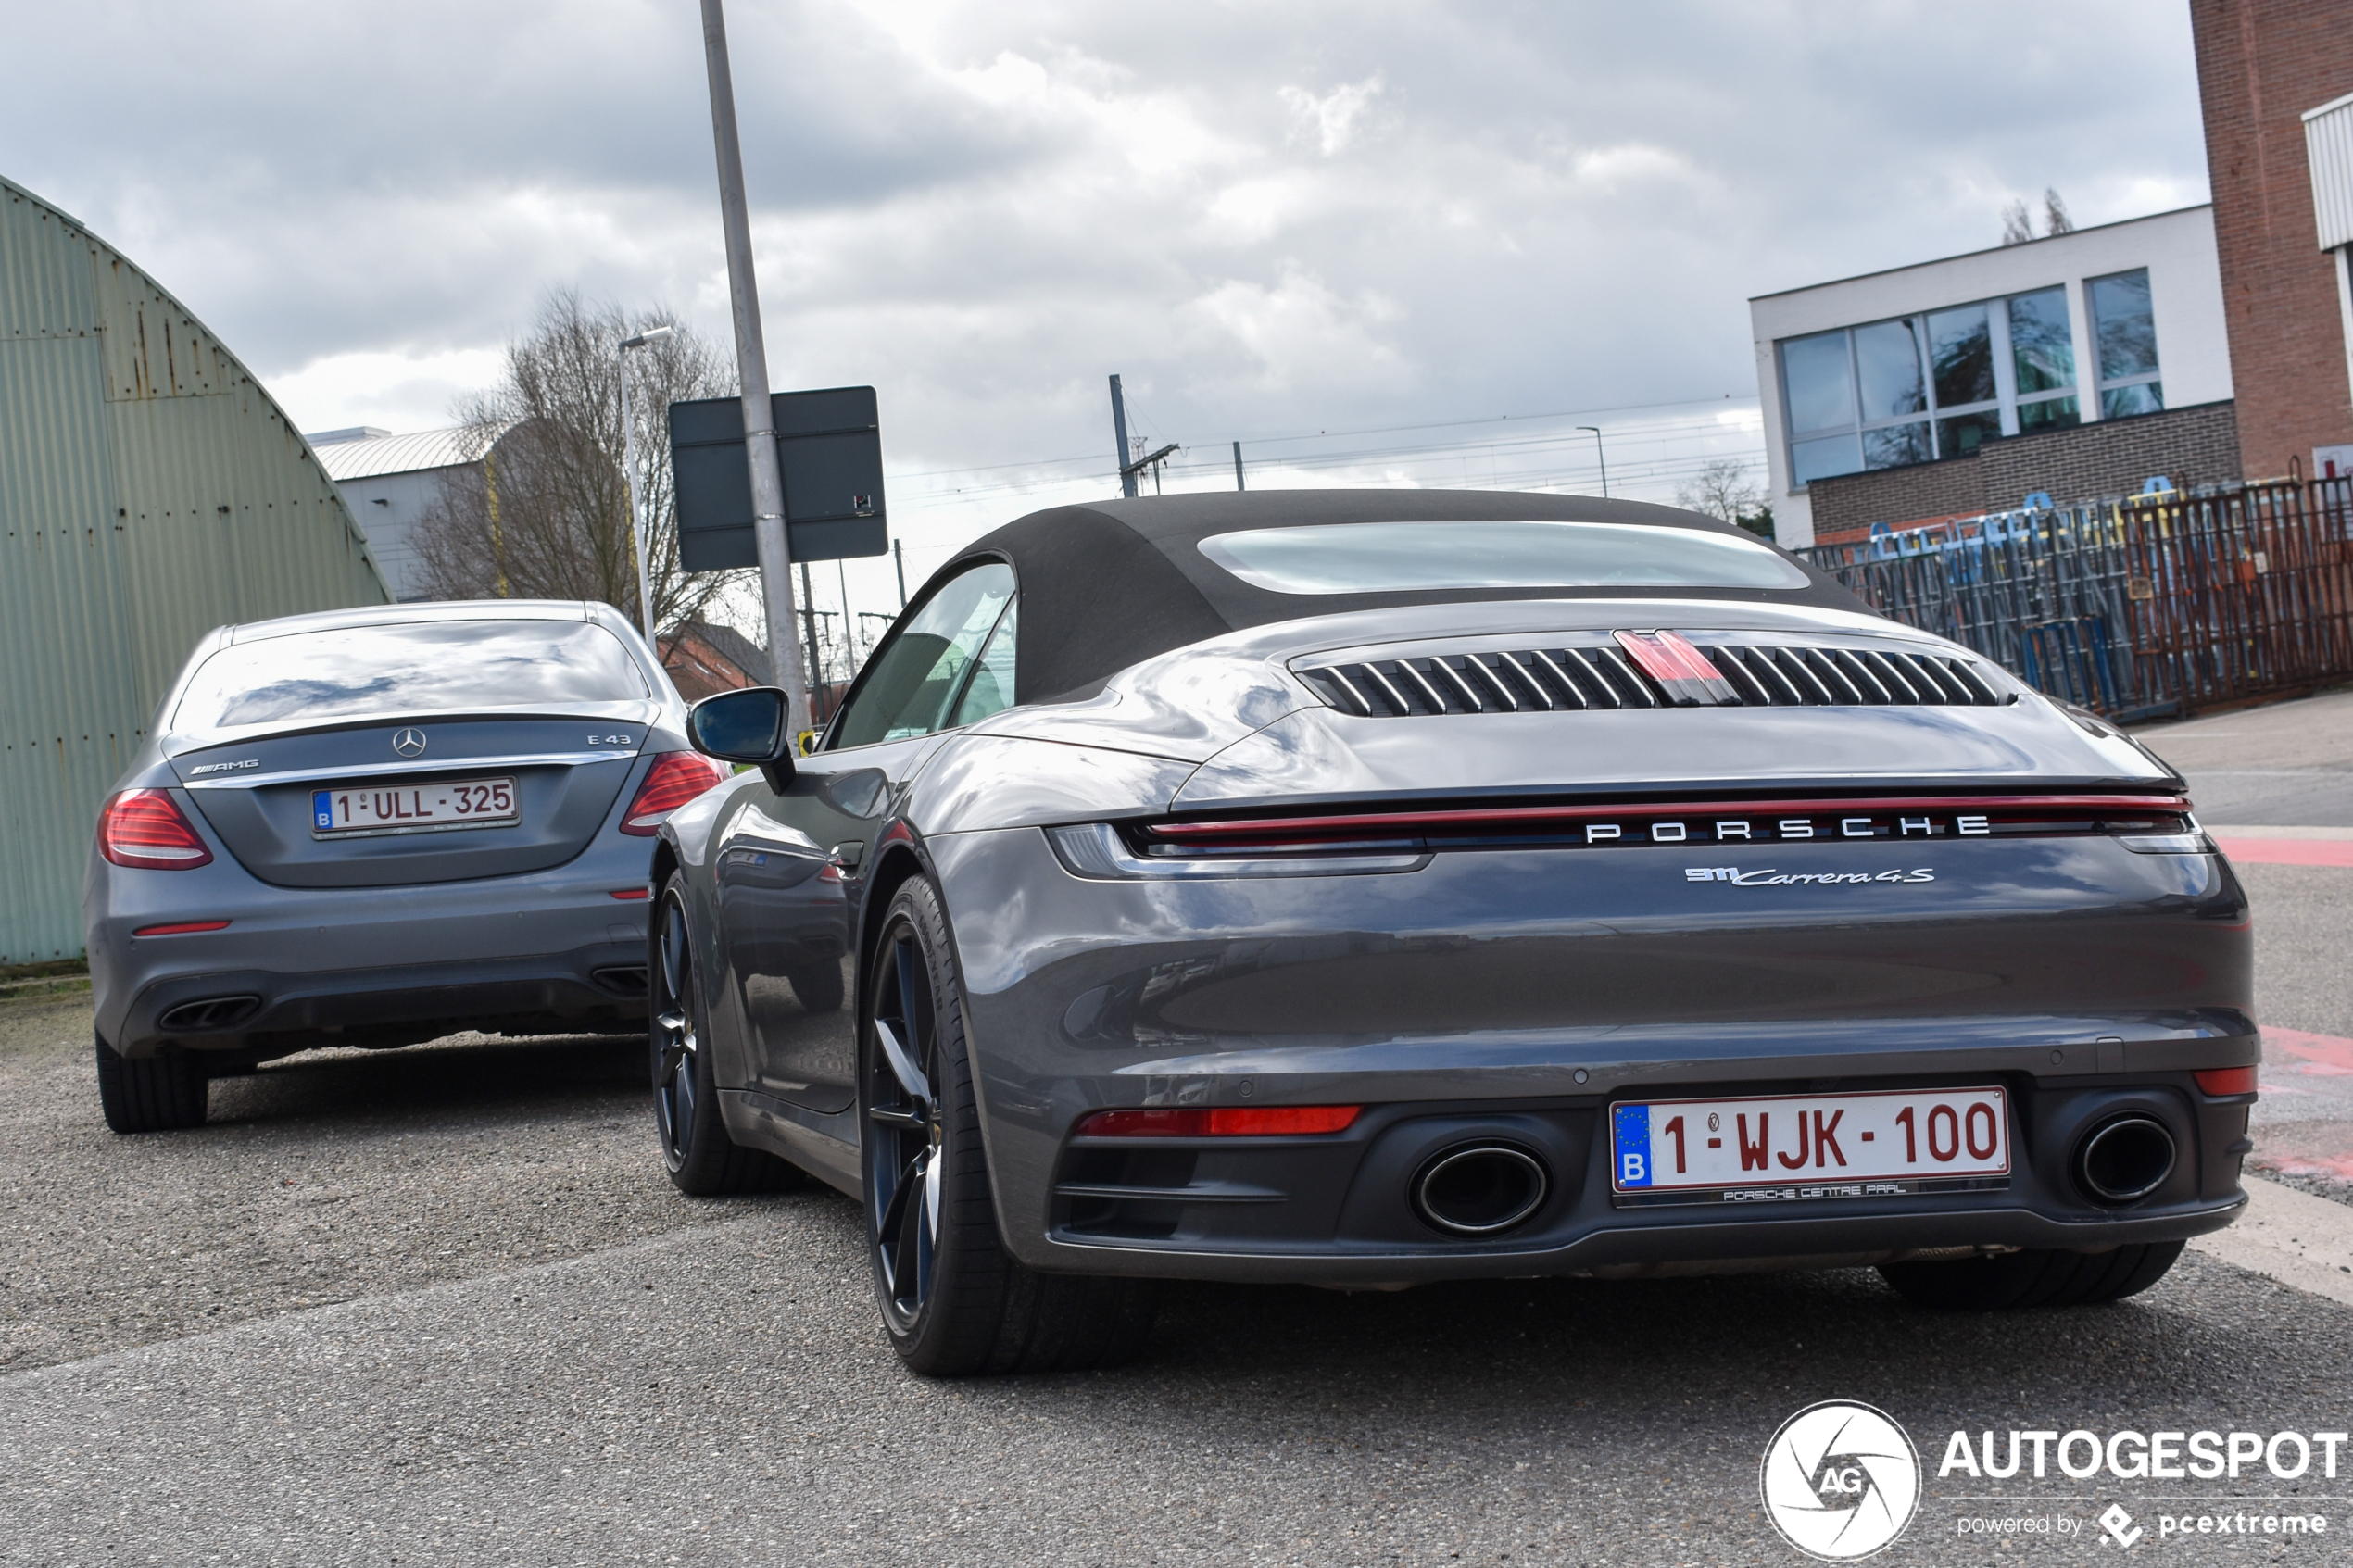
column 1396, row 557
column 416, row 666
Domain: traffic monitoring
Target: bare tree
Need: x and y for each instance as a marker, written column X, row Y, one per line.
column 1722, row 489
column 2055, row 218
column 2017, row 227
column 543, row 512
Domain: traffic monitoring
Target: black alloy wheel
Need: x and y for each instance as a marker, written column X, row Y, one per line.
column 700, row 1157
column 904, row 1137
column 953, row 1300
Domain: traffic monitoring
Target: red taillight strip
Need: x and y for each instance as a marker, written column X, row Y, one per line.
column 631, row 893
column 1416, row 821
column 182, row 928
column 2223, row 1081
column 1219, row 1122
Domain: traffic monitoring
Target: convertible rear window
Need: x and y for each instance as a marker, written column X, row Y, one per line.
column 1383, row 557
column 414, row 667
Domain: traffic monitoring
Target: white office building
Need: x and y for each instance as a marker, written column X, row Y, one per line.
column 1928, row 363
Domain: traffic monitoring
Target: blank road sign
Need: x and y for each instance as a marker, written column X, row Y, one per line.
column 829, row 445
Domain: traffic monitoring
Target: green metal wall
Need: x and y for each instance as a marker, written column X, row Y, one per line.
column 149, row 491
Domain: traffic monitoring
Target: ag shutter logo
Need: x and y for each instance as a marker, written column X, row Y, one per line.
column 1840, row 1480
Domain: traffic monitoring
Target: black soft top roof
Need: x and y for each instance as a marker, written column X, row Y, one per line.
column 1113, row 582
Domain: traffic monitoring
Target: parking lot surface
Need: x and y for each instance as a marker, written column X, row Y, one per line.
column 439, row 1305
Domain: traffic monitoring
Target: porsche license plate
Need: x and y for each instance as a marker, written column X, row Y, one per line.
column 1786, row 1146
column 361, row 811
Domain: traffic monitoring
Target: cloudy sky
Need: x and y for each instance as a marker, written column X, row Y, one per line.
column 1396, row 222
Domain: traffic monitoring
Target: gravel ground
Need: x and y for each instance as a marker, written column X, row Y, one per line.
column 319, row 1178
column 722, row 1396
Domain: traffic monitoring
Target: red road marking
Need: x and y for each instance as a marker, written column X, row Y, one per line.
column 2337, row 1166
column 2290, row 851
column 2326, row 1056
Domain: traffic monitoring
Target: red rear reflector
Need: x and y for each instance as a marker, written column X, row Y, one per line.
column 633, row 893
column 184, row 926
column 675, row 778
column 2226, row 1079
column 145, row 828
column 1224, row 1122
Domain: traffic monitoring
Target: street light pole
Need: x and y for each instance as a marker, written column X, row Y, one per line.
column 1600, row 456
column 637, row 503
column 751, row 362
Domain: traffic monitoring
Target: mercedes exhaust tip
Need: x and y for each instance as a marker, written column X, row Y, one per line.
column 2125, row 1159
column 1481, row 1189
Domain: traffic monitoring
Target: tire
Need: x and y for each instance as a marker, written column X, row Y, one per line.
column 819, row 988
column 953, row 1301
column 157, row 1094
column 701, row 1159
column 2033, row 1278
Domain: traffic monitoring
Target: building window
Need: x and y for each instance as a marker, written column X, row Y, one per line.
column 2125, row 330
column 1937, row 384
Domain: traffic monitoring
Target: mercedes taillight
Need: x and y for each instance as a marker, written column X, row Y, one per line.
column 145, row 828
column 675, row 778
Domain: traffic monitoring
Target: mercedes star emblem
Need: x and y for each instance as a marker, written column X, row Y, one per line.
column 409, row 743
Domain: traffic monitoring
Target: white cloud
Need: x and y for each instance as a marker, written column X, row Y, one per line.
column 1330, row 120
column 399, row 390
column 1269, row 219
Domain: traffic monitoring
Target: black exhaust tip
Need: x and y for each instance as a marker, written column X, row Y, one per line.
column 627, row 979
column 2125, row 1159
column 209, row 1015
column 1481, row 1189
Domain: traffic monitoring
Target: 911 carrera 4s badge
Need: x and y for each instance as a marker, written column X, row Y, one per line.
column 1770, row 877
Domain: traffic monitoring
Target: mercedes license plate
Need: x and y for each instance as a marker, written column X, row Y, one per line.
column 370, row 810
column 1780, row 1148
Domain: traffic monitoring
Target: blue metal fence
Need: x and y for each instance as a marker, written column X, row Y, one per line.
column 2159, row 604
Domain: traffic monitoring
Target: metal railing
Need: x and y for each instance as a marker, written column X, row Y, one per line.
column 2160, row 603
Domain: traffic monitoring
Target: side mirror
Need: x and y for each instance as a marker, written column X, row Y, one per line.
column 746, row 726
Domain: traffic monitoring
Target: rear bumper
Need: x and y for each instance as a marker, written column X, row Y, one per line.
column 379, row 965
column 1518, row 995
column 245, row 1009
column 1337, row 1208
column 1812, row 1241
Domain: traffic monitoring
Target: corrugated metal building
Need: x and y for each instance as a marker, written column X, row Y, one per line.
column 390, row 481
column 149, row 491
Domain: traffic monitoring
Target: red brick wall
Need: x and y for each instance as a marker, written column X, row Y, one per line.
column 2260, row 65
column 2191, row 446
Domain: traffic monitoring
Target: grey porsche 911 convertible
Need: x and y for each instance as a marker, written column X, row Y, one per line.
column 1363, row 888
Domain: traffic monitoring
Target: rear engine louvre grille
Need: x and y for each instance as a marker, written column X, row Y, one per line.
column 1664, row 671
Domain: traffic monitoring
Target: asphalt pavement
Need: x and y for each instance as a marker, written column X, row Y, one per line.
column 2275, row 784
column 438, row 1305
